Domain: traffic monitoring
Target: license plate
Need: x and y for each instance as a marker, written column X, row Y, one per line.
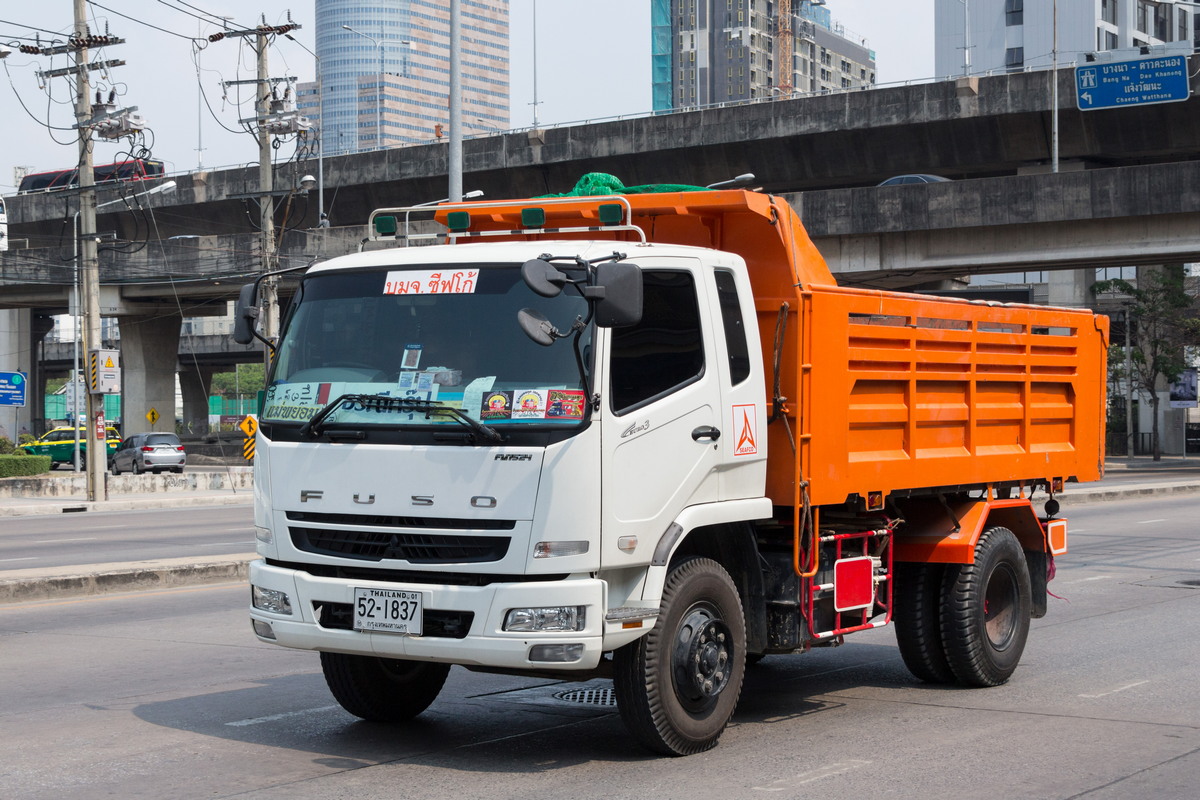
column 387, row 611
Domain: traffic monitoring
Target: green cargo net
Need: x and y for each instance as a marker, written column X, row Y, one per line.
column 601, row 183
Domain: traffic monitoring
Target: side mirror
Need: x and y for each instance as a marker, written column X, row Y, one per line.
column 543, row 277
column 245, row 314
column 537, row 327
column 621, row 304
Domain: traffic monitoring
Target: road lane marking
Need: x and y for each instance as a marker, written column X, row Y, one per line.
column 26, row 558
column 59, row 541
column 1114, row 691
column 1149, row 521
column 241, row 723
column 223, row 544
column 837, row 768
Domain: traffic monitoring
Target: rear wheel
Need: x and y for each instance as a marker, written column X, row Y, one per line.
column 136, row 468
column 382, row 689
column 678, row 685
column 986, row 610
column 917, row 614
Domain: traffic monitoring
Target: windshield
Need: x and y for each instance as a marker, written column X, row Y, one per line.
column 447, row 336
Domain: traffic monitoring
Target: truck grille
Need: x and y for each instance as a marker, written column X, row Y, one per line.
column 392, row 521
column 415, row 548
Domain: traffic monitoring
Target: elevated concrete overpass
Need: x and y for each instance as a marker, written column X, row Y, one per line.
column 1125, row 195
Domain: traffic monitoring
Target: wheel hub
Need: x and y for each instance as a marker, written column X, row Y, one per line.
column 702, row 658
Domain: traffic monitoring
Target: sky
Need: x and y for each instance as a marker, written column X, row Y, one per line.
column 592, row 62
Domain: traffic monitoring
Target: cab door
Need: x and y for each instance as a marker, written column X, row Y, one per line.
column 661, row 417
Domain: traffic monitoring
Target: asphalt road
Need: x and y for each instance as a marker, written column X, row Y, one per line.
column 167, row 694
column 118, row 536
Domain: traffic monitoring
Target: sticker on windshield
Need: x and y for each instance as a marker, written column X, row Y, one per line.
column 497, row 405
column 529, row 404
column 431, row 281
column 422, row 381
column 564, row 404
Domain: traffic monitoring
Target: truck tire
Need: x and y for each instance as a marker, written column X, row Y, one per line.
column 678, row 685
column 382, row 689
column 918, row 599
column 986, row 610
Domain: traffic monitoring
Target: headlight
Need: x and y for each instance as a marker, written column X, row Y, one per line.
column 551, row 618
column 271, row 600
column 264, row 535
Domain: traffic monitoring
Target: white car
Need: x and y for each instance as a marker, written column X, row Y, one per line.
column 149, row 452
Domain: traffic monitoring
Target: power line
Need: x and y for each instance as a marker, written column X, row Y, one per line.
column 139, row 21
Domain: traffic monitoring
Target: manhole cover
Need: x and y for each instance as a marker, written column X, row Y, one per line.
column 589, row 697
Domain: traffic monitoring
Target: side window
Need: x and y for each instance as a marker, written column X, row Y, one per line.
column 663, row 352
column 735, row 328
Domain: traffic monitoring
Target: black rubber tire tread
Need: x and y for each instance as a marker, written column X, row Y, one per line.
column 642, row 673
column 380, row 689
column 135, row 469
column 114, row 469
column 974, row 658
column 917, row 596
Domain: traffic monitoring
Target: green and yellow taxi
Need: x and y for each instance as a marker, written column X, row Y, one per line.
column 59, row 444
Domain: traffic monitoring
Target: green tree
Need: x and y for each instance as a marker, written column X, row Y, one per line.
column 1164, row 322
column 246, row 381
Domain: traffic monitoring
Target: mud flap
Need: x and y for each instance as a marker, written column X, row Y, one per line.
column 1038, row 580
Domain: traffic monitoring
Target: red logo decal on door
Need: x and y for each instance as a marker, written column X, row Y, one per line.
column 745, row 422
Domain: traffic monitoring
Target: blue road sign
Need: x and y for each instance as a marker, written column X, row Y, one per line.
column 12, row 388
column 1132, row 83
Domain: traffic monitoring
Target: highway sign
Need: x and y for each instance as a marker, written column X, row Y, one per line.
column 13, row 388
column 249, row 426
column 152, row 416
column 1144, row 81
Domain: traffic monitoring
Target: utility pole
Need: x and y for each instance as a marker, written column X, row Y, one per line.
column 111, row 123
column 97, row 445
column 267, row 122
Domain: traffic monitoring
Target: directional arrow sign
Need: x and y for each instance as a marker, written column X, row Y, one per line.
column 1144, row 81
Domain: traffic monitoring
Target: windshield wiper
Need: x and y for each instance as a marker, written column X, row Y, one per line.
column 386, row 402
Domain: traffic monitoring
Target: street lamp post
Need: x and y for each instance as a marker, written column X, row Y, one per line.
column 321, row 221
column 379, row 93
column 168, row 186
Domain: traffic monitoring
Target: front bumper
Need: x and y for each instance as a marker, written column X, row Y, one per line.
column 485, row 643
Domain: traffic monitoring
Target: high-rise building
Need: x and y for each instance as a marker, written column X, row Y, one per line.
column 716, row 51
column 1014, row 35
column 384, row 66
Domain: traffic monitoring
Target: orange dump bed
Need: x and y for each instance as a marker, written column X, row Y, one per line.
column 886, row 391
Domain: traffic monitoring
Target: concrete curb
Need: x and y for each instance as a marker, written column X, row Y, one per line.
column 125, row 504
column 1076, row 497
column 21, row 586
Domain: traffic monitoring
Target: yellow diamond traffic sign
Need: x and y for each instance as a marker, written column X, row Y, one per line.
column 249, row 426
column 152, row 415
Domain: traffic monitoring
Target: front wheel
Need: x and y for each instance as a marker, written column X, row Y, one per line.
column 986, row 610
column 382, row 689
column 678, row 685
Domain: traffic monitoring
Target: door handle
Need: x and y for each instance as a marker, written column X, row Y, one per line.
column 706, row 432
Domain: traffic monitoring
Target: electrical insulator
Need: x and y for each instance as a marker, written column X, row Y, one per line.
column 30, row 49
column 216, row 37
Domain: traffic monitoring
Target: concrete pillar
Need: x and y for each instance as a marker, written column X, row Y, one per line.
column 194, row 382
column 21, row 331
column 1071, row 288
column 149, row 353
